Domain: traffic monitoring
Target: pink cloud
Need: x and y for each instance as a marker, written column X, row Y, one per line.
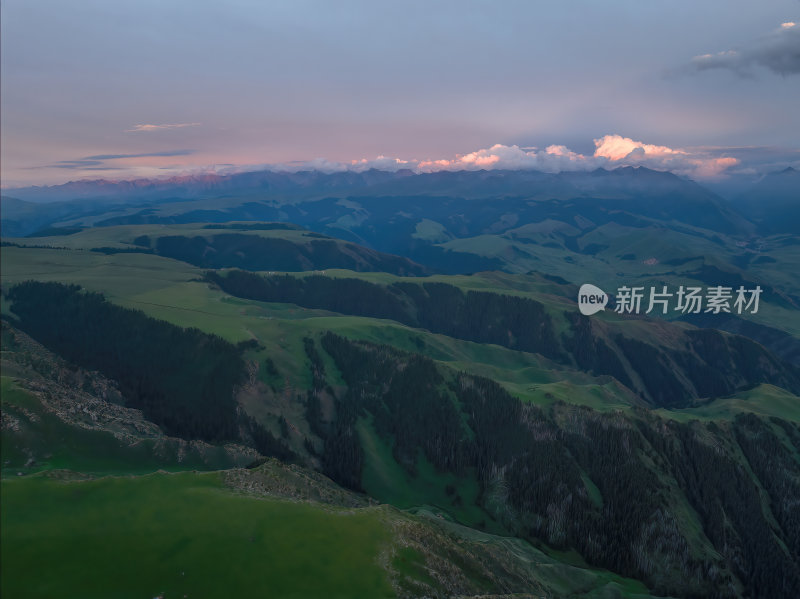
column 616, row 147
column 148, row 128
column 693, row 163
column 715, row 167
column 611, row 151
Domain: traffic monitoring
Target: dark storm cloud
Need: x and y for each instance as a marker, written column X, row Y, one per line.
column 778, row 52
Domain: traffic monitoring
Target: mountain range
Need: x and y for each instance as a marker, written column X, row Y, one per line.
column 385, row 377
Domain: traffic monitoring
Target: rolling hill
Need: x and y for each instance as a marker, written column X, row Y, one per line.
column 380, row 383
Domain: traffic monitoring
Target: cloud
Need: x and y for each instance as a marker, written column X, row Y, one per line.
column 610, row 151
column 710, row 163
column 97, row 162
column 616, row 147
column 778, row 52
column 74, row 164
column 382, row 163
column 697, row 163
column 498, row 156
column 144, row 155
column 554, row 158
column 146, row 128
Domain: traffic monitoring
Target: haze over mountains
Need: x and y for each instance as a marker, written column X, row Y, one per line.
column 496, row 181
column 656, row 194
column 774, row 202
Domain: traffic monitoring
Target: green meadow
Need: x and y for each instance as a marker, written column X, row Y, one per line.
column 175, row 535
column 183, row 535
column 43, row 441
column 763, row 400
column 174, row 291
column 162, row 524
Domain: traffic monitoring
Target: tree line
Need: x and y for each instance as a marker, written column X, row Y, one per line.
column 184, row 380
column 576, row 478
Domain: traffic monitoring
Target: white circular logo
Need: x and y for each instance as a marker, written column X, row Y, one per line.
column 591, row 299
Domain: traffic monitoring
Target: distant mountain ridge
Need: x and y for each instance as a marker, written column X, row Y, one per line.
column 474, row 184
column 635, row 190
column 201, row 185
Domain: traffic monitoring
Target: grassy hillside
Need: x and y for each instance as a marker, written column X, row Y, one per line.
column 174, row 291
column 56, row 415
column 35, row 438
column 546, row 459
column 274, row 530
column 252, row 246
column 183, row 534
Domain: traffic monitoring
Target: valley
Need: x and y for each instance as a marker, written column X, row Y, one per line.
column 408, row 409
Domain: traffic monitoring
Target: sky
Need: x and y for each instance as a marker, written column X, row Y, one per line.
column 96, row 89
